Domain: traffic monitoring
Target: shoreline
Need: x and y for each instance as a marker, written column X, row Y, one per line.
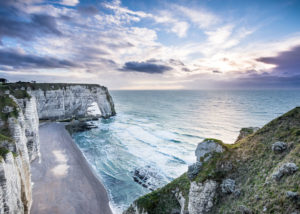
column 64, row 182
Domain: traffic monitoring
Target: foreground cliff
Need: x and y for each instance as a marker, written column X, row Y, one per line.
column 19, row 144
column 258, row 174
column 21, row 107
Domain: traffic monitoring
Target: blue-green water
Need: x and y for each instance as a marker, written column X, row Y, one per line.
column 159, row 131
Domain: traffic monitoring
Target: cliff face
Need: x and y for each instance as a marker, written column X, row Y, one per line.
column 17, row 150
column 21, row 107
column 258, row 174
column 61, row 102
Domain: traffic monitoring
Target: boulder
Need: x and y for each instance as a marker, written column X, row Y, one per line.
column 292, row 195
column 285, row 169
column 193, row 170
column 228, row 186
column 206, row 147
column 148, row 177
column 279, row 147
column 244, row 132
column 201, row 197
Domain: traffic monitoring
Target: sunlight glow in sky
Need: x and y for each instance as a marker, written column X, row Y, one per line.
column 181, row 44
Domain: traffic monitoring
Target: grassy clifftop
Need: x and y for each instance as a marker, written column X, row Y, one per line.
column 251, row 162
column 43, row 86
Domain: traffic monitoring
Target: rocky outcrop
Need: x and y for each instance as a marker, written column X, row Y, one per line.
column 31, row 119
column 194, row 169
column 244, row 177
column 285, row 169
column 228, row 186
column 244, row 132
column 69, row 101
column 279, row 147
column 201, row 196
column 147, row 177
column 206, row 148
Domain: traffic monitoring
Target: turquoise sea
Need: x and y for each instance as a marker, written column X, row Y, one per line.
column 156, row 132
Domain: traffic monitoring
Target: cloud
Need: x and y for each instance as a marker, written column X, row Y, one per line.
column 220, row 35
column 287, row 62
column 17, row 24
column 93, row 43
column 14, row 59
column 180, row 28
column 201, row 17
column 45, row 23
column 88, row 10
column 149, row 66
column 69, row 2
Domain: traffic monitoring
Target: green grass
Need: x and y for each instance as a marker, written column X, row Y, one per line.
column 5, row 138
column 163, row 200
column 43, row 86
column 3, row 151
column 253, row 163
column 5, row 100
column 5, row 135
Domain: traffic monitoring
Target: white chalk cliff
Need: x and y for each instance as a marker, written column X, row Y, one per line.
column 72, row 101
column 21, row 118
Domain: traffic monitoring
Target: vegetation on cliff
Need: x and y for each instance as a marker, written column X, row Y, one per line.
column 252, row 163
column 8, row 108
column 43, row 86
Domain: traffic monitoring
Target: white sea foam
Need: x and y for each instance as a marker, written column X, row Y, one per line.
column 161, row 130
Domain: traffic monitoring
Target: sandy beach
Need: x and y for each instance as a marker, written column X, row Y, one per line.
column 63, row 181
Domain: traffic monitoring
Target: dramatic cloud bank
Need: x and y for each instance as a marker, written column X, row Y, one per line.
column 150, row 45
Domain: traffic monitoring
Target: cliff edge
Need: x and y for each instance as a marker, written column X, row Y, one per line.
column 22, row 105
column 259, row 173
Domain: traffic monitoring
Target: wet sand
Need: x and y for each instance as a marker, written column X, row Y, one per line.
column 64, row 183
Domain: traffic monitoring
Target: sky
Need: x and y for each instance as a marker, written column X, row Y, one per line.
column 157, row 44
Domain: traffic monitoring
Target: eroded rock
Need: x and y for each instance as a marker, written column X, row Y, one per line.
column 244, row 132
column 228, row 186
column 285, row 169
column 193, row 170
column 181, row 200
column 201, row 197
column 292, row 195
column 279, row 147
column 206, row 147
column 148, row 177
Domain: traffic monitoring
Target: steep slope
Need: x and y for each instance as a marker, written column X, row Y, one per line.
column 258, row 174
column 19, row 145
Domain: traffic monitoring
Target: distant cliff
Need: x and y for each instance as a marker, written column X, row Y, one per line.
column 63, row 101
column 21, row 107
column 259, row 173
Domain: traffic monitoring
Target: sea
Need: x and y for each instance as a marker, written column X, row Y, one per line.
column 155, row 133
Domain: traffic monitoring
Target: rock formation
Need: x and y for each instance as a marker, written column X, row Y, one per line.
column 21, row 147
column 21, row 107
column 259, row 173
column 69, row 101
column 244, row 132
